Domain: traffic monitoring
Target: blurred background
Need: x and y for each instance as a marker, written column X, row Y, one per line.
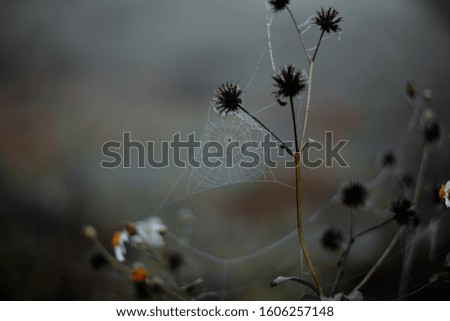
column 75, row 74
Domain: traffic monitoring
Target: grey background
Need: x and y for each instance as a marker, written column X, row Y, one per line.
column 75, row 74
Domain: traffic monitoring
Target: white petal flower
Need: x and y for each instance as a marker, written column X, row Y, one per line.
column 118, row 242
column 150, row 232
column 444, row 193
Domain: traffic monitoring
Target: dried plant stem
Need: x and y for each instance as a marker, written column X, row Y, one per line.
column 419, row 182
column 317, row 47
column 281, row 143
column 370, row 229
column 299, row 222
column 344, row 255
column 299, row 35
column 380, row 259
column 294, row 122
column 308, row 102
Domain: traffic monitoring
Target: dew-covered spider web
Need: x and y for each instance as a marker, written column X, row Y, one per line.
column 240, row 127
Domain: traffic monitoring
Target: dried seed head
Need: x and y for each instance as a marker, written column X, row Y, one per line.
column 174, row 261
column 90, row 232
column 403, row 212
column 411, row 89
column 431, row 131
column 353, row 194
column 98, row 260
column 227, row 98
column 407, row 180
column 331, row 239
column 328, row 21
column 427, row 94
column 388, row 159
column 289, row 83
column 278, row 5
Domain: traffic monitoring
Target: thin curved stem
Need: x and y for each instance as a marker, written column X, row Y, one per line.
column 318, row 45
column 422, row 165
column 294, row 123
column 308, row 102
column 299, row 34
column 380, row 259
column 370, row 229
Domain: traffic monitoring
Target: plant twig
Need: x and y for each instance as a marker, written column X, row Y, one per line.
column 299, row 35
column 294, row 123
column 344, row 255
column 318, row 45
column 308, row 102
column 299, row 222
column 380, row 259
column 281, row 143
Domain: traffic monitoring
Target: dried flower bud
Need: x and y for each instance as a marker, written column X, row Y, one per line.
column 403, row 212
column 227, row 98
column 431, row 132
column 331, row 239
column 278, row 5
column 289, row 82
column 90, row 232
column 411, row 89
column 328, row 21
column 427, row 95
column 353, row 194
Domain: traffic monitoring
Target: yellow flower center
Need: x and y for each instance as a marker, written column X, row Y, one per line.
column 139, row 275
column 442, row 192
column 115, row 241
column 131, row 229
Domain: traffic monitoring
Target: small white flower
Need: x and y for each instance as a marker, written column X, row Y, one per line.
column 118, row 242
column 444, row 193
column 149, row 232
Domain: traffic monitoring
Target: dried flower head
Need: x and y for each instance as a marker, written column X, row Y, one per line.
column 431, row 131
column 227, row 98
column 407, row 180
column 331, row 239
column 174, row 261
column 388, row 159
column 90, row 232
column 278, row 5
column 139, row 274
column 98, row 260
column 403, row 212
column 444, row 193
column 411, row 89
column 427, row 94
column 328, row 21
column 353, row 194
column 118, row 242
column 289, row 83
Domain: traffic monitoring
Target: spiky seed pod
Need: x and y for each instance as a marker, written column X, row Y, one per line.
column 328, row 21
column 227, row 98
column 353, row 194
column 278, row 5
column 289, row 83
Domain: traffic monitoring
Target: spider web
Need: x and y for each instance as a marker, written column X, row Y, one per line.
column 241, row 127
